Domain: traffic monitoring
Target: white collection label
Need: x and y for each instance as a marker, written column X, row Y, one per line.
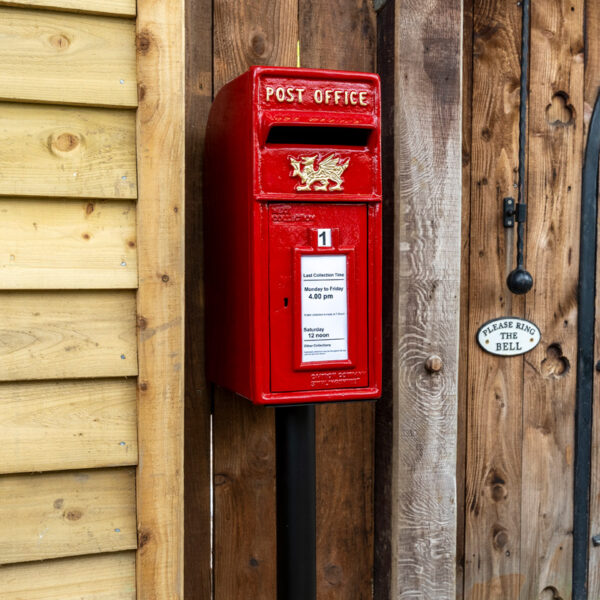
column 324, row 308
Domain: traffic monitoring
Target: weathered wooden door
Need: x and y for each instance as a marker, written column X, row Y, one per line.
column 518, row 413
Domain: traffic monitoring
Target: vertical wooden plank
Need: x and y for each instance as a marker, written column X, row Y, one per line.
column 384, row 430
column 197, row 453
column 427, row 131
column 246, row 33
column 461, row 447
column 554, row 186
column 592, row 89
column 160, row 153
column 344, row 433
column 320, row 27
column 493, row 451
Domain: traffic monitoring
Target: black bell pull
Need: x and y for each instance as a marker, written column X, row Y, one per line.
column 520, row 281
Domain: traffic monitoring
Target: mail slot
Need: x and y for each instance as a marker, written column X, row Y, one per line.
column 292, row 220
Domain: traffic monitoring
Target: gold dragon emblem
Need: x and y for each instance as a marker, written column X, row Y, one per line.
column 330, row 169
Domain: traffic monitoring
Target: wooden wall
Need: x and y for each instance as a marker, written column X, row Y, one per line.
column 241, row 34
column 90, row 298
column 515, row 539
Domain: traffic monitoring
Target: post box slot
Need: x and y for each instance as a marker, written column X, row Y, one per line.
column 319, row 136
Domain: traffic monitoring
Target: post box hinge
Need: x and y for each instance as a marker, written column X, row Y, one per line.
column 596, row 540
column 513, row 212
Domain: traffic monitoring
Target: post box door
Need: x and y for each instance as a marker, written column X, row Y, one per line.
column 318, row 296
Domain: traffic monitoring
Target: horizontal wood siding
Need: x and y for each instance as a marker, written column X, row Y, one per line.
column 47, row 426
column 101, row 577
column 53, row 515
column 62, row 335
column 58, row 244
column 67, row 59
column 124, row 8
column 67, row 152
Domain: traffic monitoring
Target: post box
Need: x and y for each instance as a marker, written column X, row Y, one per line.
column 292, row 219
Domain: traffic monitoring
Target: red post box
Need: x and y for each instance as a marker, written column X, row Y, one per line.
column 293, row 236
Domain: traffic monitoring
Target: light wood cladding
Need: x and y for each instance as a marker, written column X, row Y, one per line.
column 101, row 577
column 62, row 244
column 67, row 334
column 124, row 8
column 160, row 299
column 66, row 58
column 52, row 515
column 47, row 426
column 67, row 152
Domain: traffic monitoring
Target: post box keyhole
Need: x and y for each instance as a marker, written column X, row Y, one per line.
column 285, row 302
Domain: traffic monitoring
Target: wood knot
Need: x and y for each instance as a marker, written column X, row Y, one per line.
column 143, row 386
column 85, row 236
column 555, row 365
column 58, row 503
column 486, row 134
column 89, row 208
column 144, row 536
column 142, row 323
column 65, row 142
column 258, row 44
column 165, row 278
column 433, row 364
column 499, row 537
column 73, row 515
column 141, row 92
column 253, row 562
column 143, row 41
column 60, row 41
column 221, row 479
column 333, row 575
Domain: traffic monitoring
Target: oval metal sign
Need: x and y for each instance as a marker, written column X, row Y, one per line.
column 508, row 336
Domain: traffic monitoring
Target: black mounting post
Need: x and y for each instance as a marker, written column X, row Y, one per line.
column 296, row 503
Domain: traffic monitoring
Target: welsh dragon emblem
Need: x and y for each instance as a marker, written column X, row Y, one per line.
column 329, row 169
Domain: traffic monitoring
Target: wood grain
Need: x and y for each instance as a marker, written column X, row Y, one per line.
column 592, row 88
column 320, row 27
column 554, row 188
column 61, row 425
column 344, row 433
column 426, row 296
column 101, row 577
column 67, row 152
column 67, row 58
column 125, row 8
column 246, row 33
column 244, row 492
column 463, row 362
column 67, row 334
column 160, row 299
column 62, row 244
column 66, row 514
column 494, row 385
column 197, row 459
column 253, row 32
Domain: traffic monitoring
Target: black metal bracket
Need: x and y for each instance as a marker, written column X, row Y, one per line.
column 596, row 540
column 513, row 212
